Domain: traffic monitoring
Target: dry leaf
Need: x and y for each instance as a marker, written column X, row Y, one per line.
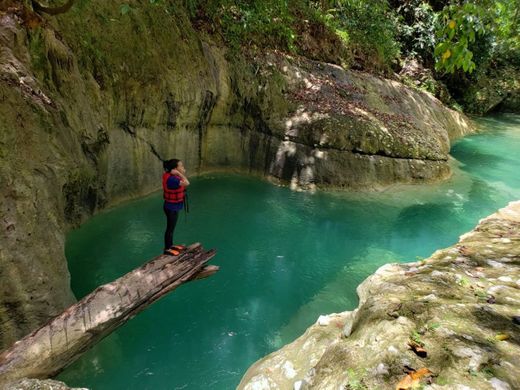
column 418, row 349
column 420, row 373
column 412, row 379
column 405, row 383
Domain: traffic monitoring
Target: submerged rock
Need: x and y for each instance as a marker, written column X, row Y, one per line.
column 470, row 343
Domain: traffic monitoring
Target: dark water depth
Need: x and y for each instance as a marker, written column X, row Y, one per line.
column 285, row 257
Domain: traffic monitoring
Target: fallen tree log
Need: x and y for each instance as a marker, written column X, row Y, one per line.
column 49, row 349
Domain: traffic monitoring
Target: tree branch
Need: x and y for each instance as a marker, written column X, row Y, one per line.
column 52, row 10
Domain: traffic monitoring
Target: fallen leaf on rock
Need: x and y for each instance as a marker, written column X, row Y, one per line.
column 418, row 349
column 501, row 336
column 412, row 379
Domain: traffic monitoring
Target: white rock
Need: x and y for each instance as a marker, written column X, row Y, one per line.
column 463, row 387
column 402, row 320
column 260, row 382
column 381, row 369
column 494, row 289
column 288, row 370
column 323, row 320
column 463, row 352
column 506, row 279
column 298, row 385
column 393, row 350
column 431, row 297
column 495, row 264
column 386, row 269
column 497, row 384
column 347, row 329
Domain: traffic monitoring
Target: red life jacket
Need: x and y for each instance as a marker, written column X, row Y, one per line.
column 172, row 196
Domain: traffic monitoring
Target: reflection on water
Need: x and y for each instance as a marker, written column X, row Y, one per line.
column 285, row 259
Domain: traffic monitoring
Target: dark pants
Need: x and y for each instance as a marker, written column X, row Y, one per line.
column 171, row 221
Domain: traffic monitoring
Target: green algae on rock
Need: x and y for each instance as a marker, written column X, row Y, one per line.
column 460, row 305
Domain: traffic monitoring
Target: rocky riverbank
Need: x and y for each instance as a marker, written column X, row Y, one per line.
column 448, row 322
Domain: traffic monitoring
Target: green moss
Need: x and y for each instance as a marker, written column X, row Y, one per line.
column 355, row 380
column 38, row 52
column 80, row 194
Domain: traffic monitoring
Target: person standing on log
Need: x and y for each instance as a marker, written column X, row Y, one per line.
column 174, row 183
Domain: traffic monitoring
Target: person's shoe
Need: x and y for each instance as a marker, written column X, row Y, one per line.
column 172, row 252
column 179, row 248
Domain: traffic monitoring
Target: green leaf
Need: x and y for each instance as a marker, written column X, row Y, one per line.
column 124, row 9
column 451, row 34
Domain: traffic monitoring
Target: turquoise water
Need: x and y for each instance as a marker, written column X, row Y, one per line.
column 285, row 257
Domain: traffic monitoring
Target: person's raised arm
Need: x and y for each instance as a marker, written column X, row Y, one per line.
column 184, row 180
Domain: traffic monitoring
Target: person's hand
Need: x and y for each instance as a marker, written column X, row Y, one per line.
column 174, row 172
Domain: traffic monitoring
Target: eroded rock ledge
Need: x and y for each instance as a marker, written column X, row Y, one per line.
column 461, row 305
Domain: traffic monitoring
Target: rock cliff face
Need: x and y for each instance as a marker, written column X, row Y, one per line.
column 461, row 306
column 92, row 100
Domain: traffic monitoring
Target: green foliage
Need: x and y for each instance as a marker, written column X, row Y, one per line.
column 416, row 29
column 355, row 380
column 459, row 27
column 416, row 336
column 463, row 282
column 480, row 27
column 369, row 28
column 267, row 23
column 124, row 9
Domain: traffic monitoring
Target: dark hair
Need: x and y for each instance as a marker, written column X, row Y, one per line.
column 168, row 165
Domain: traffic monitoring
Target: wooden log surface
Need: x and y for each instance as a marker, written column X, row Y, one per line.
column 49, row 349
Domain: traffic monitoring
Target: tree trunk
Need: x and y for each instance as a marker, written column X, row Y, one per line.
column 49, row 349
